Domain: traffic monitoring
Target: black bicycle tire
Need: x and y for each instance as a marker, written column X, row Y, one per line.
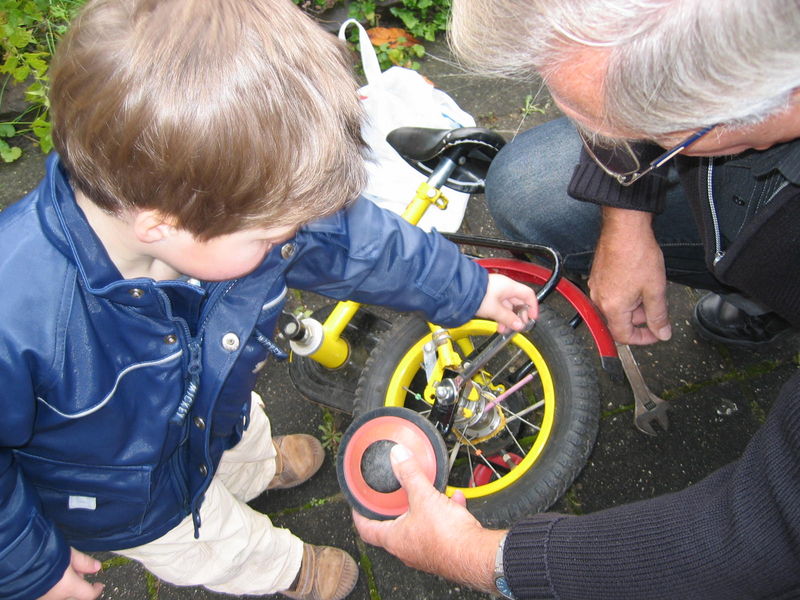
column 577, row 413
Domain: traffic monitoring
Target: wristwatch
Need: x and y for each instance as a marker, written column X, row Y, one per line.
column 500, row 581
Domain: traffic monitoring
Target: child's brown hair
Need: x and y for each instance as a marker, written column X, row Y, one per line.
column 222, row 114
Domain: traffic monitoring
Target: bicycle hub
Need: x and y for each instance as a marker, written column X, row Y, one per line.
column 444, row 405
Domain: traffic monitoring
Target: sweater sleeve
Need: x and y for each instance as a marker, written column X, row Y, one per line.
column 735, row 534
column 591, row 184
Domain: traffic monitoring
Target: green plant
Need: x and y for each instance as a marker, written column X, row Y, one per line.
column 315, row 6
column 421, row 18
column 331, row 436
column 398, row 53
column 530, row 107
column 29, row 30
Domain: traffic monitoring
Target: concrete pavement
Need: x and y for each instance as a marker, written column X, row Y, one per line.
column 719, row 397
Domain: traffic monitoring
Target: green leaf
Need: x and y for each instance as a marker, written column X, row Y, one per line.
column 36, row 93
column 21, row 38
column 46, row 144
column 405, row 15
column 9, row 153
column 10, row 65
column 41, row 126
column 21, row 73
column 6, row 29
column 43, row 130
column 33, row 12
column 363, row 10
column 59, row 13
column 37, row 61
column 7, row 130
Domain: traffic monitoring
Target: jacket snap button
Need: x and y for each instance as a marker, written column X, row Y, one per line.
column 287, row 250
column 170, row 339
column 136, row 292
column 203, row 470
column 200, row 423
column 230, row 341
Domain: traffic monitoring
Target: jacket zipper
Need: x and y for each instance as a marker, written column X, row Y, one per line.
column 193, row 382
column 719, row 253
column 193, row 369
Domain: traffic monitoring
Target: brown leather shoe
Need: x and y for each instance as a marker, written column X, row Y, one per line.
column 326, row 574
column 299, row 457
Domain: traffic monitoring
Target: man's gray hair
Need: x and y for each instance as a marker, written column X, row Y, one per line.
column 673, row 64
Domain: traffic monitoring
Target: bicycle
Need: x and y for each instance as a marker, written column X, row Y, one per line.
column 520, row 425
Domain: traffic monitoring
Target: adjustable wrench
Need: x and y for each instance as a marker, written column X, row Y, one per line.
column 648, row 406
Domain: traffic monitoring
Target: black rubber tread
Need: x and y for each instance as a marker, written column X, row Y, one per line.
column 574, row 429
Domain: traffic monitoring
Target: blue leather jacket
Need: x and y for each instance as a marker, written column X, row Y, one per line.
column 119, row 396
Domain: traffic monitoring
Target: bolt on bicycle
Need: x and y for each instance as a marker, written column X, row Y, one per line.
column 518, row 412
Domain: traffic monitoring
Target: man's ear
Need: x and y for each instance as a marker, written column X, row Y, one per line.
column 151, row 226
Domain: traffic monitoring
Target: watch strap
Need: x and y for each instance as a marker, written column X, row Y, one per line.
column 500, row 581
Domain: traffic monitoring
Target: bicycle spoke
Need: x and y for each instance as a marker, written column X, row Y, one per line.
column 516, row 441
column 416, row 396
column 453, row 455
column 480, row 455
column 502, row 369
column 517, row 416
column 471, row 470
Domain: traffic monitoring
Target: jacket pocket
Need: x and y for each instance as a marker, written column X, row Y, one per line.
column 87, row 501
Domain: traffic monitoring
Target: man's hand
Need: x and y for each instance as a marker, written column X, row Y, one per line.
column 628, row 280
column 72, row 585
column 502, row 302
column 437, row 534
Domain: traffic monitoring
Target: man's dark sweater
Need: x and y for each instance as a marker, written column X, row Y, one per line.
column 735, row 534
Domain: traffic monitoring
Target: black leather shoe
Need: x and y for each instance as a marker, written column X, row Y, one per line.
column 717, row 320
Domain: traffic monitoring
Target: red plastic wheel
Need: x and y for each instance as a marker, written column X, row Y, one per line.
column 363, row 466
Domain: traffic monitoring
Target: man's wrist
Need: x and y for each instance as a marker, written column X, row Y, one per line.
column 624, row 217
column 486, row 546
column 622, row 228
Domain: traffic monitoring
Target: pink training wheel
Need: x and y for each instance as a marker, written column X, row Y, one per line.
column 363, row 466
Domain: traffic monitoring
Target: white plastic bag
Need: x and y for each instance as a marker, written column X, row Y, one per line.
column 400, row 97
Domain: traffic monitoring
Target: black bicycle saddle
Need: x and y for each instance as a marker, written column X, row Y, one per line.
column 472, row 148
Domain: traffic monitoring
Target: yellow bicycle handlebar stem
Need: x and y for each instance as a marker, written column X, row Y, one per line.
column 425, row 196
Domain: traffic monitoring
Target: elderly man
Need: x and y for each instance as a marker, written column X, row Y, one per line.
column 679, row 161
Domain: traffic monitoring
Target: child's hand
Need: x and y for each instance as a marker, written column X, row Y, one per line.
column 503, row 297
column 72, row 585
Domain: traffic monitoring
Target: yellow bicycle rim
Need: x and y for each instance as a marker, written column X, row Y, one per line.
column 410, row 365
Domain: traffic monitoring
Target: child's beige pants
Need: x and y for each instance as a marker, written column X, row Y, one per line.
column 239, row 550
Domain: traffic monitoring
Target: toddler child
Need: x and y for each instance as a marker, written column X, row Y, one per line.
column 208, row 157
